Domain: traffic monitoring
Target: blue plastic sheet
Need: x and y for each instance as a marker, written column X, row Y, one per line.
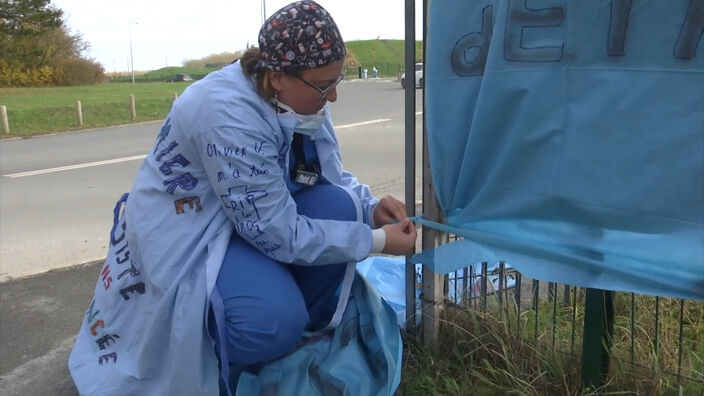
column 388, row 276
column 567, row 138
column 363, row 356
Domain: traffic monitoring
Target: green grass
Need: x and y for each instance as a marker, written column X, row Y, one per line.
column 482, row 353
column 35, row 111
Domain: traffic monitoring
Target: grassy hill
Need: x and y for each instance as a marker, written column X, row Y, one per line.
column 194, row 72
column 387, row 55
column 163, row 73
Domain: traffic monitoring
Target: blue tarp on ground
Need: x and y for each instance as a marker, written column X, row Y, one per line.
column 566, row 137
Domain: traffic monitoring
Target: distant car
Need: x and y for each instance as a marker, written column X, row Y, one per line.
column 178, row 78
column 419, row 76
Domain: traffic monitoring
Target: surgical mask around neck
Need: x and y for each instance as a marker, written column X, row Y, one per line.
column 306, row 124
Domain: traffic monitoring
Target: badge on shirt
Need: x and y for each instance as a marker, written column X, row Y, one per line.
column 307, row 178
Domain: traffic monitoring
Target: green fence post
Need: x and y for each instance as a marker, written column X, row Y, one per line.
column 598, row 333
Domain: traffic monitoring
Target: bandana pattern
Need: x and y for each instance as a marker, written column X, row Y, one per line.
column 301, row 35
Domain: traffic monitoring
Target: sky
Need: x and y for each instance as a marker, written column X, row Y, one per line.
column 167, row 32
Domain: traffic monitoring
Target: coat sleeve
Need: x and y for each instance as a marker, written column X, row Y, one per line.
column 366, row 198
column 243, row 168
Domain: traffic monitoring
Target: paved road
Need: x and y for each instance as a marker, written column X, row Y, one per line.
column 57, row 192
column 60, row 219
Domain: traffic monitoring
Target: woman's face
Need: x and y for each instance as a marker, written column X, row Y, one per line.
column 297, row 92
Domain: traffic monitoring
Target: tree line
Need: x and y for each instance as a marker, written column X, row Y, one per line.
column 37, row 49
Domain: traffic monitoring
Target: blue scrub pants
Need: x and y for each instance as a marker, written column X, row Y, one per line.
column 268, row 304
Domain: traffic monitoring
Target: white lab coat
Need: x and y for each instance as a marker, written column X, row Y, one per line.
column 218, row 166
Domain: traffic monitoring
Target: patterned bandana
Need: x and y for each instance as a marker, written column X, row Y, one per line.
column 300, row 36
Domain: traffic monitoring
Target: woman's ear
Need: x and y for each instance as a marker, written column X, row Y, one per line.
column 276, row 79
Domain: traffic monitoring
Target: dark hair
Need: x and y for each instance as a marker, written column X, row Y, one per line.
column 249, row 61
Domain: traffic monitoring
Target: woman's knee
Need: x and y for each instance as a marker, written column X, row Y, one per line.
column 326, row 201
column 258, row 331
column 265, row 312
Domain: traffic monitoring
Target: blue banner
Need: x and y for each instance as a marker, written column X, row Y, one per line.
column 566, row 138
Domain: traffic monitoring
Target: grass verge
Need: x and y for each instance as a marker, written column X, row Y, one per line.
column 36, row 111
column 483, row 353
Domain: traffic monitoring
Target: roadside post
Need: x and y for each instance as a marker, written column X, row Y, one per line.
column 79, row 113
column 5, row 122
column 133, row 111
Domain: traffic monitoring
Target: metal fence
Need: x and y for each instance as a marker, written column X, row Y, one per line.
column 659, row 336
column 385, row 70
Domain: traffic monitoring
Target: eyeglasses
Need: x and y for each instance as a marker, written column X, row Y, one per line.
column 323, row 91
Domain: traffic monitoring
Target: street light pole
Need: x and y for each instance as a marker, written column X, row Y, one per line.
column 131, row 57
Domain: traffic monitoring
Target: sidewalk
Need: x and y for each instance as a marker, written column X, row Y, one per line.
column 39, row 318
column 383, row 79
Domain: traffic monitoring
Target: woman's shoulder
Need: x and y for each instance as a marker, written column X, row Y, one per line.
column 225, row 98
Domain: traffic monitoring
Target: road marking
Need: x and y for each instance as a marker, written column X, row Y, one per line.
column 139, row 157
column 77, row 166
column 362, row 123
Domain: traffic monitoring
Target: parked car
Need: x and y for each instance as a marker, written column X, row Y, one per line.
column 419, row 76
column 179, row 77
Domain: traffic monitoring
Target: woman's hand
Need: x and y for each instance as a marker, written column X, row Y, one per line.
column 400, row 237
column 389, row 210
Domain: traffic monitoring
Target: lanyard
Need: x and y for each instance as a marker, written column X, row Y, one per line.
column 304, row 172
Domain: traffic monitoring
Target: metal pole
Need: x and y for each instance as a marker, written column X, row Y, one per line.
column 131, row 57
column 536, row 303
column 485, row 285
column 410, row 155
column 598, row 333
column 518, row 305
column 680, row 346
